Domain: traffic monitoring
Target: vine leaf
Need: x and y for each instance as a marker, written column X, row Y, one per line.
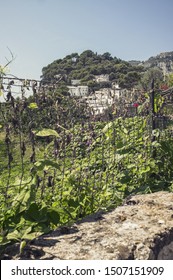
column 46, row 132
column 41, row 164
column 54, row 216
column 107, row 127
column 24, row 198
column 22, row 246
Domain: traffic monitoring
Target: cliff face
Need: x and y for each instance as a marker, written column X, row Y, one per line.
column 142, row 228
column 164, row 61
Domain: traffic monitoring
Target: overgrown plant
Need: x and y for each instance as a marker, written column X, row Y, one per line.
column 54, row 175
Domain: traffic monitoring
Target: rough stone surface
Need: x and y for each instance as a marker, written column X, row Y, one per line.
column 142, row 228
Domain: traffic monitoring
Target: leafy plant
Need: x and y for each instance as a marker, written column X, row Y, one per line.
column 56, row 173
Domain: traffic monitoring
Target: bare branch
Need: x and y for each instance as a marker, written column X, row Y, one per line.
column 9, row 61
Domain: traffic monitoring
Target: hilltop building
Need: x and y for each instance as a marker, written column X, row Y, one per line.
column 104, row 98
column 102, row 78
column 78, row 91
column 75, row 82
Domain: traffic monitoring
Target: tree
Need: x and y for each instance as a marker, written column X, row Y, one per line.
column 150, row 75
column 107, row 56
column 87, row 64
column 87, row 53
column 112, row 76
column 131, row 79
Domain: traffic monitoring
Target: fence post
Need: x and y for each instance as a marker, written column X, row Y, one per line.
column 153, row 113
column 153, row 124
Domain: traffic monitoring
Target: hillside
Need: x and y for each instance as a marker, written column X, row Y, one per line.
column 87, row 65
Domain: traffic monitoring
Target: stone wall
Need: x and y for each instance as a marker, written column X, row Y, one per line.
column 142, row 228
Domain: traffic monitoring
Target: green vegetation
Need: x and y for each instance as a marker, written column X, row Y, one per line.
column 89, row 64
column 58, row 164
column 85, row 66
column 95, row 167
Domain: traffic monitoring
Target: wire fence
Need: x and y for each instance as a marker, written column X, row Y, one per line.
column 74, row 144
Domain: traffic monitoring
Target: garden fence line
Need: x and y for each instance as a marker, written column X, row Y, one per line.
column 59, row 140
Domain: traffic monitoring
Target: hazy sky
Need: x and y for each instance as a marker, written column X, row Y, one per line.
column 41, row 31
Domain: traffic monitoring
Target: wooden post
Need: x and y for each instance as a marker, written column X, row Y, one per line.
column 153, row 124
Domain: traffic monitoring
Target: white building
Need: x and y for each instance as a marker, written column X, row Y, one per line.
column 78, row 91
column 116, row 90
column 100, row 100
column 75, row 82
column 102, row 78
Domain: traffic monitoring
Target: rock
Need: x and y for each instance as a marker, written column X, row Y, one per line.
column 142, row 228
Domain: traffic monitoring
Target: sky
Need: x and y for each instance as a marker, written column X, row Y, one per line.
column 38, row 32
